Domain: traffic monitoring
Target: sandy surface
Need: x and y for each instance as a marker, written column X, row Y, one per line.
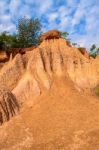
column 59, row 119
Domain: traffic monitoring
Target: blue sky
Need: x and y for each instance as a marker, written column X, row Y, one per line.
column 78, row 17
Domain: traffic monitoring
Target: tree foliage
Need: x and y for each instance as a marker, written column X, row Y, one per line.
column 93, row 47
column 29, row 31
column 7, row 41
column 94, row 51
column 64, row 35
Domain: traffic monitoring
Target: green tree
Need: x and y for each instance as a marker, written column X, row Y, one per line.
column 94, row 51
column 29, row 31
column 64, row 35
column 8, row 41
column 5, row 41
column 93, row 47
column 97, row 50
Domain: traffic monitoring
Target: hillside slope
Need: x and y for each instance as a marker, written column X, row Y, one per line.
column 52, row 85
column 61, row 118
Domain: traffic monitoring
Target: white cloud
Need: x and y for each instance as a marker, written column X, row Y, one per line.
column 38, row 6
column 45, row 6
column 88, row 11
column 5, row 18
column 52, row 17
column 2, row 3
column 72, row 3
column 8, row 27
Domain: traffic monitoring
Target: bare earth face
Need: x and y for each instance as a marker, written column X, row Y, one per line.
column 58, row 111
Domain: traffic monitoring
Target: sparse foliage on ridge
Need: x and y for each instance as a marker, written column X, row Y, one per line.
column 94, row 51
column 64, row 35
column 29, row 32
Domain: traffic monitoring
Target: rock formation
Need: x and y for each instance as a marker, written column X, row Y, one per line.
column 8, row 105
column 53, row 83
column 52, row 34
column 12, row 72
column 84, row 52
column 22, row 51
column 26, row 75
column 3, row 56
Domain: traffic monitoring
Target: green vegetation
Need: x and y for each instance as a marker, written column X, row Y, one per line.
column 29, row 31
column 97, row 90
column 94, row 51
column 64, row 35
column 28, row 34
column 7, row 41
column 93, row 47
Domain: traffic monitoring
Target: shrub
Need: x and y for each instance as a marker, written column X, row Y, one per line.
column 64, row 35
column 97, row 90
column 94, row 51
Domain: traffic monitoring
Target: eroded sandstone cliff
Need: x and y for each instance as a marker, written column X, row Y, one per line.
column 27, row 75
column 50, row 82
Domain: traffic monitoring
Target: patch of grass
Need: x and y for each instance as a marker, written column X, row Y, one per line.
column 97, row 90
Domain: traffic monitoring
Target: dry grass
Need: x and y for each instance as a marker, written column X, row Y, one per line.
column 96, row 90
